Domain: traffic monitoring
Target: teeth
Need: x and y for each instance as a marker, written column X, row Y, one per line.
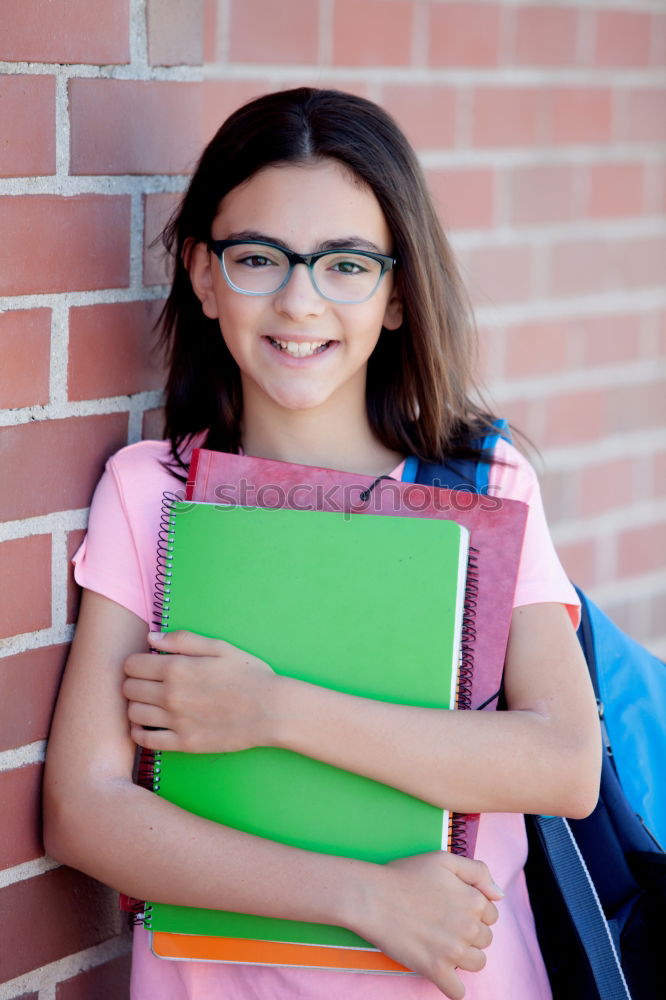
column 299, row 350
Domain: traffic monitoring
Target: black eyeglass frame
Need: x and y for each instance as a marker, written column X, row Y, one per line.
column 218, row 247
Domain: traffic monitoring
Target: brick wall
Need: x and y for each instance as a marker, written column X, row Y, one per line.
column 542, row 129
column 100, row 112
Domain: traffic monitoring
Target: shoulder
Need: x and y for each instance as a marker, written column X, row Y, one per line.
column 511, row 474
column 143, row 457
column 140, row 469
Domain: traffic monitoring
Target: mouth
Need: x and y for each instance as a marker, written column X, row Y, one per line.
column 300, row 349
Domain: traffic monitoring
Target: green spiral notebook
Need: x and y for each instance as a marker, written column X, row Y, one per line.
column 372, row 606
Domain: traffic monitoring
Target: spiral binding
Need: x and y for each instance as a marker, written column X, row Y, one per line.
column 458, row 831
column 162, row 601
column 468, row 633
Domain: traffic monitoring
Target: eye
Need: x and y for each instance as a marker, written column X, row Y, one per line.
column 348, row 265
column 255, row 260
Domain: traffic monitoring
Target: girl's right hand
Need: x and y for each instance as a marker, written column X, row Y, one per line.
column 432, row 913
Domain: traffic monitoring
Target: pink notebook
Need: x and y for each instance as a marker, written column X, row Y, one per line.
column 496, row 529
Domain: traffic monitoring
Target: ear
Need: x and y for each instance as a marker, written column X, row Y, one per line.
column 393, row 315
column 200, row 262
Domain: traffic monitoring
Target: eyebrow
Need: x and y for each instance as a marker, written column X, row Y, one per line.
column 343, row 243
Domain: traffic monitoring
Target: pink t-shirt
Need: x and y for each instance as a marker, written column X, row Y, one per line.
column 117, row 559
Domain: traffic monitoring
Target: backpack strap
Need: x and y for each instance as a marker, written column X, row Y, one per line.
column 563, row 856
column 459, row 473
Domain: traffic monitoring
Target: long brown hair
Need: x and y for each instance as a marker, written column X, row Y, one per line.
column 421, row 396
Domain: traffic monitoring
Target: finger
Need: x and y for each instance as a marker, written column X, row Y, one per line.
column 150, row 692
column 476, row 873
column 154, row 739
column 180, row 641
column 148, row 715
column 490, row 913
column 144, row 665
column 472, row 960
column 484, row 937
column 450, row 984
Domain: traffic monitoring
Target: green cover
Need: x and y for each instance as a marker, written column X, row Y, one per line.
column 369, row 605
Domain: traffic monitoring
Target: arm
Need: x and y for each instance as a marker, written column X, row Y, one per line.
column 542, row 755
column 98, row 821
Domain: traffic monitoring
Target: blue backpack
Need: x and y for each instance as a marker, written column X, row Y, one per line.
column 598, row 885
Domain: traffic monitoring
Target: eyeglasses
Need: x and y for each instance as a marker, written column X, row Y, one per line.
column 259, row 268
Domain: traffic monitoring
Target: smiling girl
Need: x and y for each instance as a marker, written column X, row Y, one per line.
column 315, row 317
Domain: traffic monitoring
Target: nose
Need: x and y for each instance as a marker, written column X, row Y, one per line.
column 299, row 298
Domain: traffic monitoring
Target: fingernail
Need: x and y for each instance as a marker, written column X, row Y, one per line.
column 156, row 636
column 497, row 889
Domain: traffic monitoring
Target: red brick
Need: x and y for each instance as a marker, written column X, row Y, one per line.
column 543, row 194
column 501, row 274
column 153, row 425
column 20, row 794
column 425, row 112
column 606, row 486
column 55, row 464
column 74, row 539
column 113, row 350
column 464, row 197
column 537, row 348
column 611, row 339
column 67, row 31
column 221, row 97
column 638, row 406
column 581, row 114
column 622, row 38
column 581, row 266
column 68, row 244
column 659, row 475
column 642, row 550
column 175, row 32
column 464, row 34
column 545, row 36
column 25, row 573
column 210, row 28
column 658, row 37
column 24, row 333
column 134, row 126
column 56, row 914
column 639, row 262
column 287, row 32
column 506, row 116
column 579, row 560
column 646, row 116
column 158, row 210
column 374, row 33
column 615, row 189
column 28, row 687
column 105, row 982
column 572, row 417
column 27, row 107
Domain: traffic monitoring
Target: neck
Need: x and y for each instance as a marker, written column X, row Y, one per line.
column 315, row 437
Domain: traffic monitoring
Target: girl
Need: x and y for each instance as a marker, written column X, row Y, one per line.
column 315, row 317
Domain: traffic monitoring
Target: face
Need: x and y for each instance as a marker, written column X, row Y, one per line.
column 302, row 208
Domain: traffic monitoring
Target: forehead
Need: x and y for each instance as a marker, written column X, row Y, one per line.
column 303, row 205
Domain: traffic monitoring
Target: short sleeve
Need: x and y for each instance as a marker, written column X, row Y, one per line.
column 107, row 561
column 118, row 556
column 541, row 577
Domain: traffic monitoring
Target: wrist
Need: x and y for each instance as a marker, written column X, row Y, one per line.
column 291, row 708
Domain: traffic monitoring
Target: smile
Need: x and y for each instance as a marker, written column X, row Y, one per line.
column 303, row 349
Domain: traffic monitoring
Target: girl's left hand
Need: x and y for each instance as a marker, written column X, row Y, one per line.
column 205, row 696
